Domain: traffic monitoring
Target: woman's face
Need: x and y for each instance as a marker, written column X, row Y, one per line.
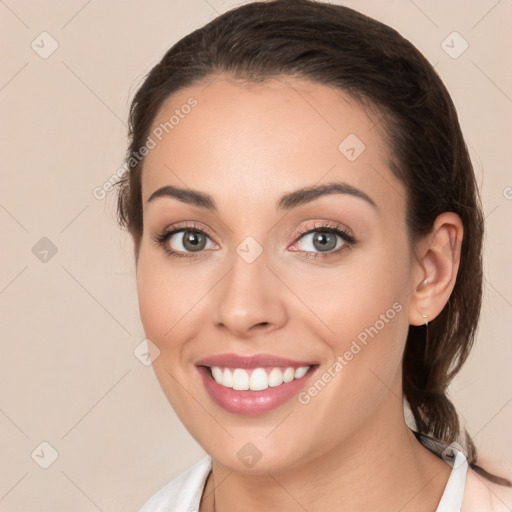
column 263, row 278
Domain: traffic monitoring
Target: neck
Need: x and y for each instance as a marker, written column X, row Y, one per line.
column 380, row 467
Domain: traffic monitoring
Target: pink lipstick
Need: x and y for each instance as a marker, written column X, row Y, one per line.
column 254, row 384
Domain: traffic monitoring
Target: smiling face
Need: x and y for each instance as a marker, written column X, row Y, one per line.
column 265, row 271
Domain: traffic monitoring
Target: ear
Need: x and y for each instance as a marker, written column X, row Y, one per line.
column 435, row 269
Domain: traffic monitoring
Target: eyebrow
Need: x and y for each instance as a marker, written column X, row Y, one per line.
column 287, row 201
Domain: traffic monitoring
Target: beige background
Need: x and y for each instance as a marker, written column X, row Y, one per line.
column 68, row 375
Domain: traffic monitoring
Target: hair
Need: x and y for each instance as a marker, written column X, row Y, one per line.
column 373, row 64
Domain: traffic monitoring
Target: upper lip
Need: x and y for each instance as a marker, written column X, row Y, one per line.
column 251, row 361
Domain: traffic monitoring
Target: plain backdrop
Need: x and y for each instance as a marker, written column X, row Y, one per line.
column 69, row 314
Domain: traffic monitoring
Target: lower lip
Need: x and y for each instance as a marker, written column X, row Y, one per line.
column 249, row 402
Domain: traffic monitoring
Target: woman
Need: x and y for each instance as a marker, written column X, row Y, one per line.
column 307, row 234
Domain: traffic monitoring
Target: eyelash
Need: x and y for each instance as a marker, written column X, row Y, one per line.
column 162, row 238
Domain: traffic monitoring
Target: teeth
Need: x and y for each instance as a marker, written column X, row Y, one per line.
column 240, row 379
column 300, row 372
column 217, row 373
column 288, row 375
column 227, row 378
column 257, row 379
column 275, row 378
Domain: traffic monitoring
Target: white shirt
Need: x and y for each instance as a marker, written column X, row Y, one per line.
column 183, row 494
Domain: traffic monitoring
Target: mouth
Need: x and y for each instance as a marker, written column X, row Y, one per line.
column 240, row 386
column 256, row 379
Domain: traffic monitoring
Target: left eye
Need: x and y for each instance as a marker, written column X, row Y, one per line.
column 324, row 240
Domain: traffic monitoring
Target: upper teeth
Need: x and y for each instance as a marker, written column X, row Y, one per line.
column 258, row 380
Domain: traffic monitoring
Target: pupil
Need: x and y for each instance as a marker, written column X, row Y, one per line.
column 327, row 241
column 194, row 240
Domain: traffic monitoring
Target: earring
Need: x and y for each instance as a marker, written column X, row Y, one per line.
column 426, row 335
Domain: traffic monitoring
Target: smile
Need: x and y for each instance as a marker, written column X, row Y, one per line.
column 257, row 379
column 252, row 385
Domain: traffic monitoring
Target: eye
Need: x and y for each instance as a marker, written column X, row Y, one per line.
column 183, row 242
column 327, row 239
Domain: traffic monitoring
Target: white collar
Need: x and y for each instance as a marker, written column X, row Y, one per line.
column 451, row 500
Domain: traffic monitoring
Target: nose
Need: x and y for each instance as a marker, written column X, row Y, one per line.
column 249, row 299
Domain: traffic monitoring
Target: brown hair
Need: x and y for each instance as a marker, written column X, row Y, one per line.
column 371, row 62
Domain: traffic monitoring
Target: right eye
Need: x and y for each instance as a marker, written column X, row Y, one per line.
column 182, row 242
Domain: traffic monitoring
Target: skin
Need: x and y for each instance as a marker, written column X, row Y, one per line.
column 246, row 144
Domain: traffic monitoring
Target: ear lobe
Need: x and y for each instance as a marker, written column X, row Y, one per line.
column 436, row 267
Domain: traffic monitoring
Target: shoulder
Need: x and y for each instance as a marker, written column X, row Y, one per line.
column 183, row 492
column 482, row 495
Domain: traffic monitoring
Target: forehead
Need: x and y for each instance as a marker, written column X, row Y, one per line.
column 264, row 139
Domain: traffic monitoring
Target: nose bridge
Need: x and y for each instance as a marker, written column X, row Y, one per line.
column 247, row 295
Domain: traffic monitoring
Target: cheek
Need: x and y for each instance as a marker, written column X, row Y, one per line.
column 354, row 295
column 156, row 306
column 170, row 303
column 149, row 294
column 364, row 306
